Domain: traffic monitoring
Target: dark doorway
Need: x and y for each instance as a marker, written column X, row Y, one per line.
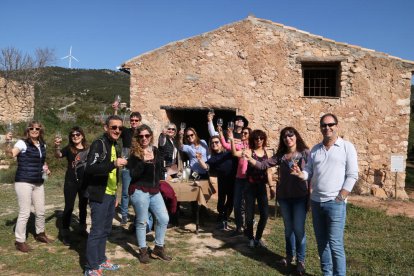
column 197, row 118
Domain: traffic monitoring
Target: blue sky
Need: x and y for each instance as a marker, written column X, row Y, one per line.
column 106, row 33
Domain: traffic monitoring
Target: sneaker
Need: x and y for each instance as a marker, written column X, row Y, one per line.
column 300, row 268
column 93, row 272
column 259, row 244
column 251, row 243
column 236, row 233
column 124, row 220
column 107, row 265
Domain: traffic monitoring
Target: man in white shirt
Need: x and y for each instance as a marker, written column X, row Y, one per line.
column 333, row 170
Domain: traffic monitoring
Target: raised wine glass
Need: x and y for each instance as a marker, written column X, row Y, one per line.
column 182, row 126
column 230, row 126
column 220, row 122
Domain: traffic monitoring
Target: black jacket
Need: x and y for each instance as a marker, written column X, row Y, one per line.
column 145, row 174
column 97, row 170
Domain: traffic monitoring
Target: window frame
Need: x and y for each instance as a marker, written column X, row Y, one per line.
column 322, row 65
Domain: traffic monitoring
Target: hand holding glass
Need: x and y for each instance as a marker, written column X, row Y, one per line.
column 220, row 122
column 182, row 126
column 230, row 126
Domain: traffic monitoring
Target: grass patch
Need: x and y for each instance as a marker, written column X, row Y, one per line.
column 376, row 244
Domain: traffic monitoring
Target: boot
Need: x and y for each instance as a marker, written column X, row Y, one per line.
column 64, row 235
column 22, row 247
column 41, row 237
column 159, row 253
column 82, row 230
column 143, row 256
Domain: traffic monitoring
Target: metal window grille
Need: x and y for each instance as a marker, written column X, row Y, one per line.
column 320, row 81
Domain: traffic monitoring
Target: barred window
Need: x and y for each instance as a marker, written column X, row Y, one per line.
column 321, row 80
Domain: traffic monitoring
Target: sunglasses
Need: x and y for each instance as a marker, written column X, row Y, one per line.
column 258, row 138
column 77, row 134
column 34, row 128
column 215, row 142
column 245, row 132
column 142, row 136
column 173, row 129
column 288, row 134
column 328, row 125
column 117, row 127
column 189, row 135
column 134, row 120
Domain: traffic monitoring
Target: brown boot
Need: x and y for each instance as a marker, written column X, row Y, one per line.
column 41, row 237
column 22, row 246
column 143, row 256
column 159, row 253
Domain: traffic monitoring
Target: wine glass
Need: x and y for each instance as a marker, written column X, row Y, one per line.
column 211, row 111
column 58, row 135
column 219, row 122
column 230, row 126
column 10, row 127
column 182, row 126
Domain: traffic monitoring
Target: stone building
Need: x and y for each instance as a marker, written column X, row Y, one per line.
column 278, row 76
column 17, row 101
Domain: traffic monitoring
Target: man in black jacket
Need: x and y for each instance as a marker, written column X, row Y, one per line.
column 102, row 176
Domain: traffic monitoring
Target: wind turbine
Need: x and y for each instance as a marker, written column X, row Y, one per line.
column 70, row 57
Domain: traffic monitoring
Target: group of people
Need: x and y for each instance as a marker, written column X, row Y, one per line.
column 319, row 179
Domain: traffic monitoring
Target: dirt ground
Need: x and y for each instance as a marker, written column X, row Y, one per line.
column 390, row 206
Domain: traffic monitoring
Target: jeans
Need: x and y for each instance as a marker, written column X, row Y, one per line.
column 239, row 192
column 70, row 190
column 253, row 192
column 329, row 223
column 102, row 215
column 225, row 197
column 155, row 203
column 294, row 216
column 126, row 180
column 29, row 194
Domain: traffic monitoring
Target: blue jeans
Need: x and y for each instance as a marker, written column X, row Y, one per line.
column 253, row 192
column 126, row 180
column 155, row 203
column 102, row 215
column 294, row 216
column 239, row 191
column 329, row 223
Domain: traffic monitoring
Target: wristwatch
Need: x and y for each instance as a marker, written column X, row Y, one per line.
column 340, row 197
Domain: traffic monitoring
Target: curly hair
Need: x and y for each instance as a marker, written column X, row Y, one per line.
column 136, row 148
column 41, row 131
column 300, row 144
column 73, row 148
column 255, row 134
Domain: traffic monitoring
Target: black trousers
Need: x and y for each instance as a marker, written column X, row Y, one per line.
column 70, row 190
column 225, row 196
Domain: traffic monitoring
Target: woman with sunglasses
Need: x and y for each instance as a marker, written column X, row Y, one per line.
column 72, row 186
column 192, row 146
column 292, row 193
column 30, row 174
column 256, row 187
column 221, row 163
column 240, row 179
column 146, row 168
column 168, row 148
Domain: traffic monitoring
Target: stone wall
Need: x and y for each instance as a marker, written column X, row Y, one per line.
column 17, row 102
column 254, row 66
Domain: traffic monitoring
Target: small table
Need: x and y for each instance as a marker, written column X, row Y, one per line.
column 199, row 191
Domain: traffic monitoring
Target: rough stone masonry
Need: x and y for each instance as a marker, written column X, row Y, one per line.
column 255, row 66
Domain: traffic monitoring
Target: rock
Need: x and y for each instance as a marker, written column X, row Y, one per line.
column 378, row 192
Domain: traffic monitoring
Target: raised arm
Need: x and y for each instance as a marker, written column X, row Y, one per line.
column 210, row 124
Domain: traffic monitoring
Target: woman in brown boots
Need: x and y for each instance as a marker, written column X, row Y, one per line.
column 30, row 175
column 146, row 168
